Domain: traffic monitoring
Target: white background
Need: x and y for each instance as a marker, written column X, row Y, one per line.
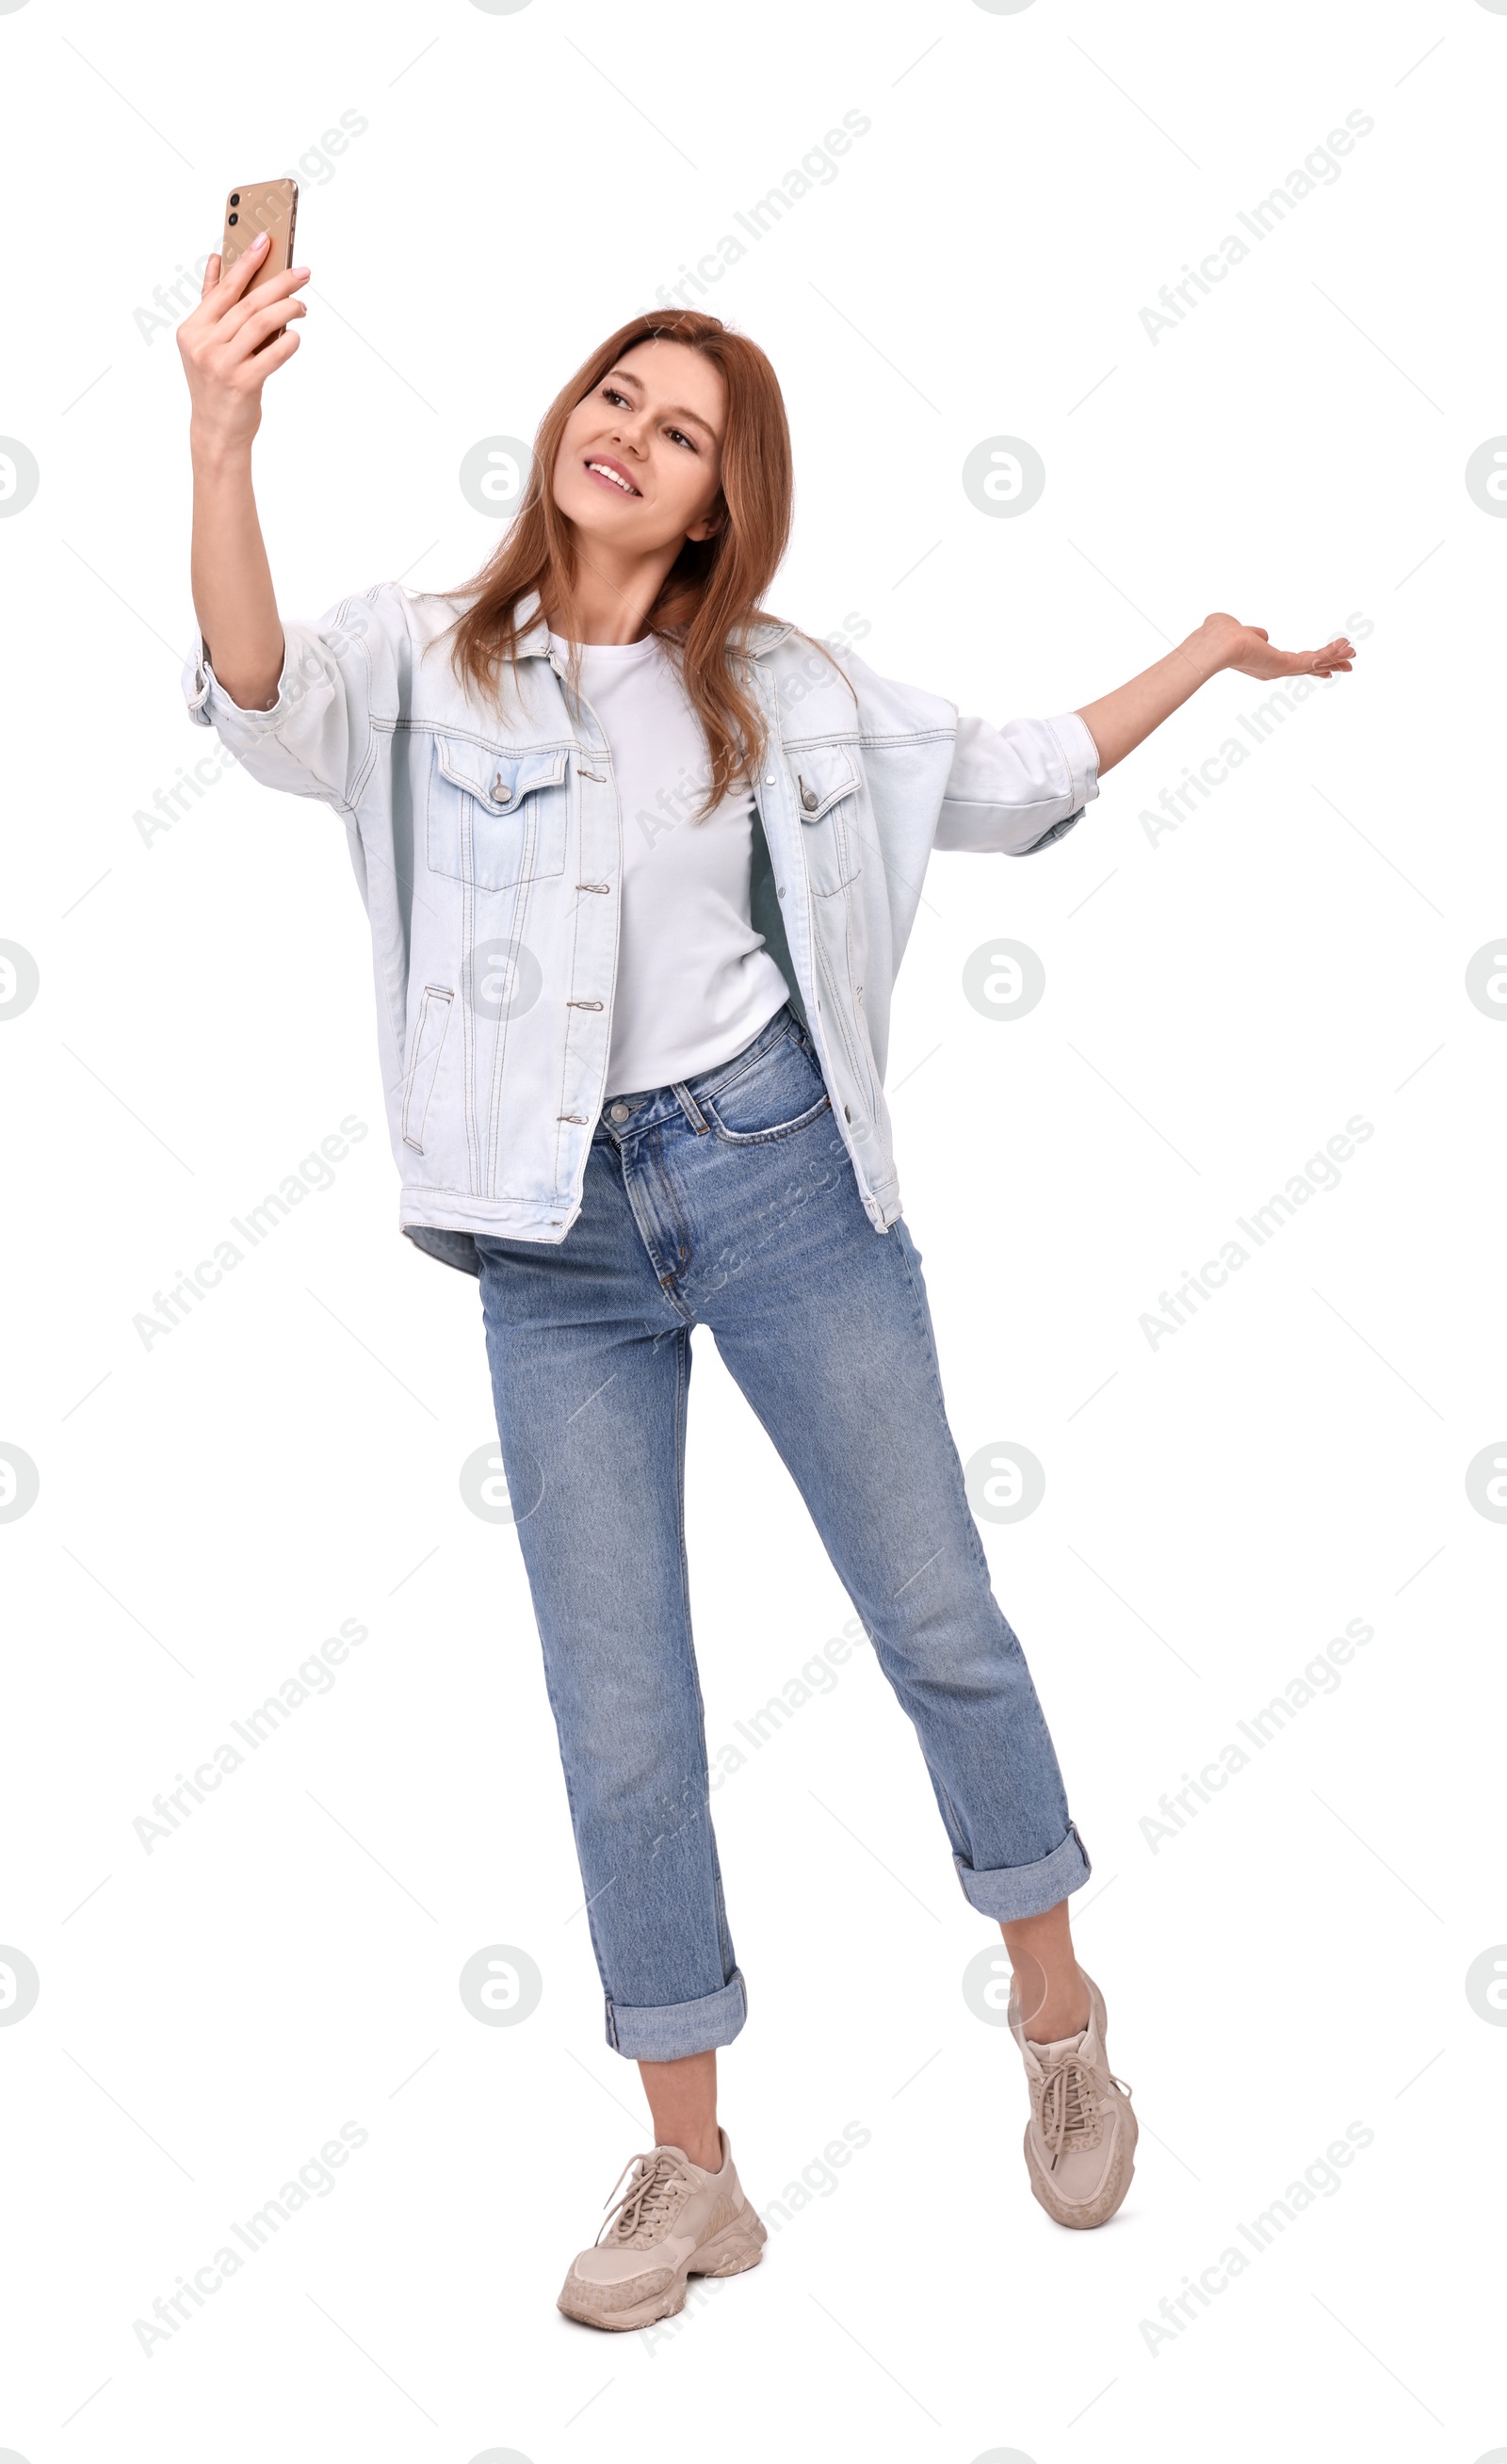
column 1294, row 1959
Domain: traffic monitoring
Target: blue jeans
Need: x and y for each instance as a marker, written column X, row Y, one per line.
column 729, row 1201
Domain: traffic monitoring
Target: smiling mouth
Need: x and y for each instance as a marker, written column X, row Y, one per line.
column 614, row 478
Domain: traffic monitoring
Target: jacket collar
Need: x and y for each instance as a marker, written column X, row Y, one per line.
column 533, row 634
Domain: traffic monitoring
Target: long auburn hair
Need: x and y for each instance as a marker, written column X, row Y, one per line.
column 712, row 590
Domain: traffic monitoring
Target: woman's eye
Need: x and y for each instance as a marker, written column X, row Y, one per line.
column 610, row 393
column 678, row 436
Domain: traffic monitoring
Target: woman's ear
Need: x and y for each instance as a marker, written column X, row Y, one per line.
column 709, row 524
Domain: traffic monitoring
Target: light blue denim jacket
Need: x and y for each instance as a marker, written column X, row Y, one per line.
column 486, row 844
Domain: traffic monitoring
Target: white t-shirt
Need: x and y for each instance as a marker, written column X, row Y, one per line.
column 695, row 982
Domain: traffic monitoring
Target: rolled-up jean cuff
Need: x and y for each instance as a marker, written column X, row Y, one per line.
column 1012, row 1891
column 675, row 2029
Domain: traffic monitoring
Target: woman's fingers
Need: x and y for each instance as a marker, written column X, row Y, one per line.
column 262, row 315
column 222, row 292
column 1248, row 649
column 243, row 312
column 234, row 341
column 233, row 283
column 1261, row 661
column 1335, row 654
column 283, row 349
column 267, row 322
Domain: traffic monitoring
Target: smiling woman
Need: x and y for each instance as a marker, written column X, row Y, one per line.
column 640, row 863
column 669, row 452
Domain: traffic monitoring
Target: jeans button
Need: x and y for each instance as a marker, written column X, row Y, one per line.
column 619, row 1112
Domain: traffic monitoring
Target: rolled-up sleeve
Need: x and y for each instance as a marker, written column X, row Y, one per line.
column 1016, row 788
column 316, row 739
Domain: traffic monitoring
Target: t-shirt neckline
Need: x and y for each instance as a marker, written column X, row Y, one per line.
column 617, row 654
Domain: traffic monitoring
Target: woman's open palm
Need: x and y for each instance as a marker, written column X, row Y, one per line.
column 1247, row 648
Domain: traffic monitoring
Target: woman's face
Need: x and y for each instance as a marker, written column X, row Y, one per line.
column 640, row 464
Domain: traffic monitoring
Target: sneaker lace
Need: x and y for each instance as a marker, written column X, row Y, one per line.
column 648, row 2206
column 1071, row 2107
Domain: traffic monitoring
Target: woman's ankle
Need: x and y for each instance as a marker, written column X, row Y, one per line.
column 1063, row 2009
column 1051, row 1991
column 682, row 2099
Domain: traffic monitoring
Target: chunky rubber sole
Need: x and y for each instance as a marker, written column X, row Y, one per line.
column 738, row 2246
column 1082, row 2216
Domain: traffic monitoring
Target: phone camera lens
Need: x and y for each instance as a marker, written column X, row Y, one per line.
column 236, row 199
column 235, row 218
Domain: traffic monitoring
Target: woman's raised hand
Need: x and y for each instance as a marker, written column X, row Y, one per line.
column 218, row 342
column 1121, row 720
column 233, row 586
column 1224, row 642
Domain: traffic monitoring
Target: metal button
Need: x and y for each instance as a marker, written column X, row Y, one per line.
column 769, row 778
column 501, row 794
column 620, row 1113
column 781, row 892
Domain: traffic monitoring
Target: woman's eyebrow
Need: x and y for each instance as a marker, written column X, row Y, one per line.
column 671, row 409
column 677, row 410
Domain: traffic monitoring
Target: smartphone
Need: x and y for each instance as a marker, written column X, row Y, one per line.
column 260, row 205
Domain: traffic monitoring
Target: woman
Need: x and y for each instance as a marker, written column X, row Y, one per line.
column 640, row 865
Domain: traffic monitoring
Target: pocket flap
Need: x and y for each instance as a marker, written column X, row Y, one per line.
column 499, row 781
column 824, row 774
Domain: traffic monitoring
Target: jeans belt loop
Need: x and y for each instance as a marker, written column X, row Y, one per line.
column 689, row 1107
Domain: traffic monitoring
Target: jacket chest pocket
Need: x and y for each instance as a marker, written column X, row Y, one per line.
column 828, row 801
column 497, row 818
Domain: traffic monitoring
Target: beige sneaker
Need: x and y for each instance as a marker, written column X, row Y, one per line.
column 673, row 2220
column 1080, row 2136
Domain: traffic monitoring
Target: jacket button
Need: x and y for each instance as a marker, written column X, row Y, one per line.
column 619, row 1112
column 503, row 795
column 809, row 800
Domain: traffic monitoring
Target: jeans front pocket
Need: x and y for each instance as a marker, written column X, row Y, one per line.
column 777, row 1093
